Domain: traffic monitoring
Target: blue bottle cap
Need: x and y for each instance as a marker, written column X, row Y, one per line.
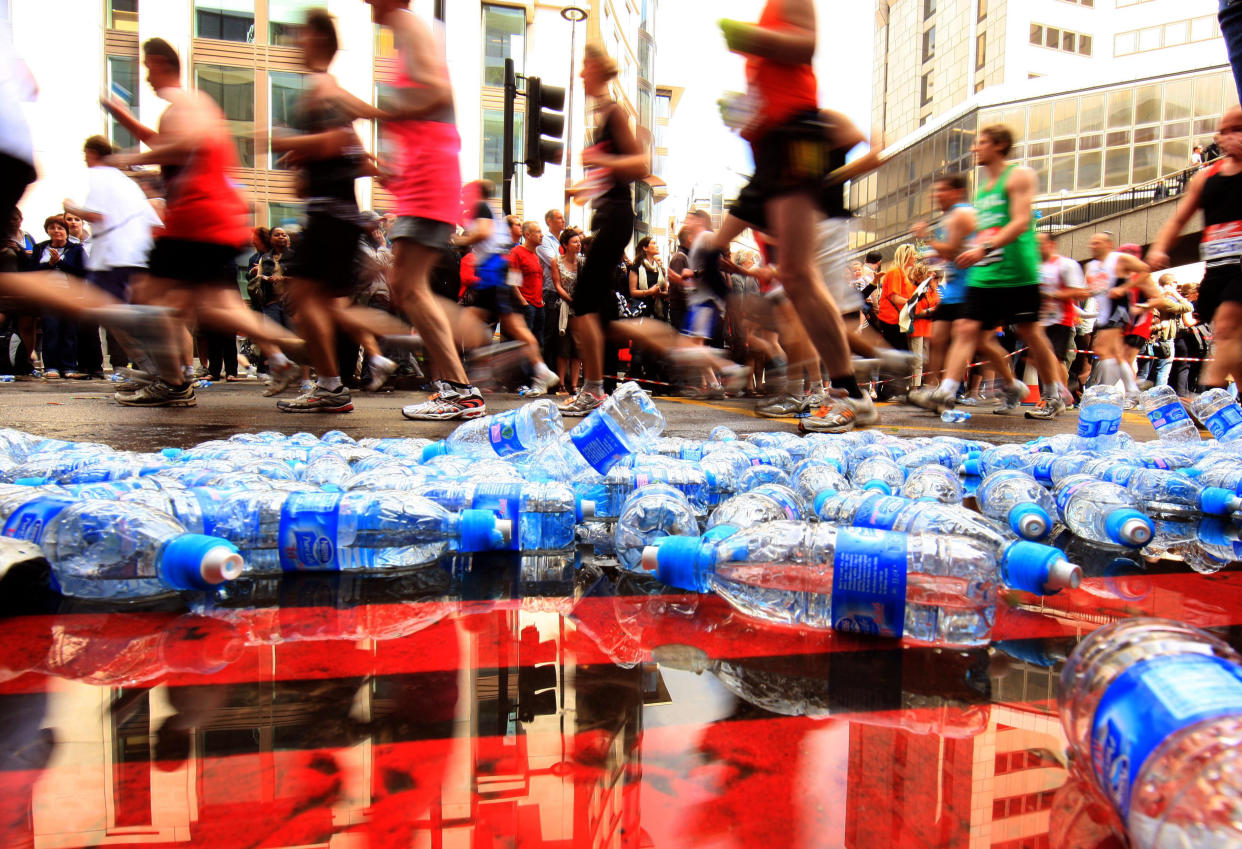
column 481, row 531
column 1191, row 472
column 1030, row 521
column 1218, row 532
column 435, row 449
column 198, row 562
column 1218, row 501
column 1127, row 526
column 172, row 453
column 1036, row 568
column 718, row 533
column 972, row 466
column 30, row 481
column 822, row 499
column 681, row 562
column 878, row 486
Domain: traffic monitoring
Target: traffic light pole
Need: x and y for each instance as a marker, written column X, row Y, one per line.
column 507, row 155
column 440, row 11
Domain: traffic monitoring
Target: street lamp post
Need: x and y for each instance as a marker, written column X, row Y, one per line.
column 573, row 14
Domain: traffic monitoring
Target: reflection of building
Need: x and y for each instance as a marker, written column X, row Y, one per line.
column 242, row 53
column 1083, row 143
column 932, row 55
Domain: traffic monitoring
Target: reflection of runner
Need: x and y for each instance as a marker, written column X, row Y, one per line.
column 426, row 180
column 948, row 239
column 1217, row 190
column 1003, row 283
column 194, row 261
column 1062, row 284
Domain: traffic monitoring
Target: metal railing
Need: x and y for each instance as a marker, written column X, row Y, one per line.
column 1127, row 200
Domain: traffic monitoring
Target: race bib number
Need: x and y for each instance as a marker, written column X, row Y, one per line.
column 1222, row 244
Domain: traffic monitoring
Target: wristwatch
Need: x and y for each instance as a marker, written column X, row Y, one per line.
column 987, row 247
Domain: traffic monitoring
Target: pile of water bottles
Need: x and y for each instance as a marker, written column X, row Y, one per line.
column 869, row 533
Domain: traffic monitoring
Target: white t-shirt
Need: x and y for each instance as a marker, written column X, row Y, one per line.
column 16, row 87
column 700, row 249
column 1055, row 275
column 123, row 239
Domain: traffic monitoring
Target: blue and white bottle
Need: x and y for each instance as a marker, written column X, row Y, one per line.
column 1015, row 498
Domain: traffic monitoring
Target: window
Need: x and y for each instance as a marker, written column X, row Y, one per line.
column 1062, row 173
column 284, row 214
column 283, row 19
column 224, row 20
column 122, row 83
column 1084, row 45
column 1037, row 34
column 1089, row 170
column 929, row 43
column 1120, row 109
column 981, row 51
column 493, row 143
column 1146, row 163
column 664, row 106
column 123, row 15
column 929, row 8
column 1176, row 33
column 1147, row 105
column 1052, row 37
column 1117, row 167
column 928, row 89
column 284, row 89
column 1069, row 42
column 983, row 10
column 504, row 37
column 1149, row 39
column 1065, row 117
column 1125, row 43
column 233, row 89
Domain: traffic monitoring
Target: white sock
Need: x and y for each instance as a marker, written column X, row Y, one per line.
column 329, row 383
column 378, row 361
column 278, row 360
column 543, row 372
column 817, row 386
column 1127, row 377
column 949, row 388
column 795, row 388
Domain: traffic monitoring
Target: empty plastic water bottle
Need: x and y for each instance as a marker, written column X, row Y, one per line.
column 649, row 514
column 720, row 433
column 541, row 516
column 1168, row 417
column 955, row 416
column 812, row 477
column 689, row 480
column 1102, row 512
column 933, row 483
column 510, row 435
column 1165, row 492
column 1154, row 707
column 878, row 473
column 1220, row 414
column 1015, row 498
column 938, row 590
column 1099, row 418
column 355, row 531
column 627, row 421
column 118, row 551
column 765, row 503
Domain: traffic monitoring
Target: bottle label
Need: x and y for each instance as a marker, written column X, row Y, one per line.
column 642, row 479
column 598, row 443
column 879, row 512
column 502, row 432
column 869, row 583
column 1042, row 469
column 308, row 532
column 29, row 521
column 1148, row 703
column 1091, row 428
column 503, row 499
column 783, row 501
column 1167, row 416
column 1066, row 493
column 1224, row 421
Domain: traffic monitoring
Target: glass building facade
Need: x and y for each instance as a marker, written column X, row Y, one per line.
column 1082, row 145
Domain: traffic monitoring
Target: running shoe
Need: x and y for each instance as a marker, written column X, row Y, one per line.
column 839, row 417
column 972, row 401
column 319, row 400
column 780, row 407
column 1132, row 401
column 381, row 370
column 51, row 374
column 734, row 378
column 544, row 381
column 449, row 404
column 581, row 404
column 716, row 392
column 158, row 394
column 279, row 378
column 930, row 398
column 1011, row 397
column 813, row 401
column 1048, row 409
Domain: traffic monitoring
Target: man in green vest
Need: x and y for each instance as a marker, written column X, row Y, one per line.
column 1003, row 283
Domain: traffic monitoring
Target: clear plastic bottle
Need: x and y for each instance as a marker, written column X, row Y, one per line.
column 1172, row 493
column 766, row 503
column 651, row 513
column 1099, row 418
column 326, row 467
column 1154, row 709
column 1168, row 416
column 625, row 423
column 1220, row 414
column 938, row 590
column 878, row 473
column 117, row 551
column 1015, row 498
column 720, row 433
column 1007, row 456
column 685, row 477
column 933, row 483
column 542, row 516
column 508, row 435
column 812, row 477
column 1102, row 512
column 956, row 416
column 355, row 531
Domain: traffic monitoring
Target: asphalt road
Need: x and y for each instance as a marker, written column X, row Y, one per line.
column 84, row 410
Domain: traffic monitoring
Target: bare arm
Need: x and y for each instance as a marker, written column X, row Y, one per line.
column 630, row 161
column 1158, row 253
column 126, row 119
column 792, row 45
column 431, row 90
column 82, row 212
column 1020, row 189
column 482, row 229
column 958, row 227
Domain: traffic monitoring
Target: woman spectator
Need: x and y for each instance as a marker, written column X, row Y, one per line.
column 921, row 319
column 60, row 349
column 646, row 278
column 895, row 290
column 1190, row 344
column 1164, row 333
column 565, row 278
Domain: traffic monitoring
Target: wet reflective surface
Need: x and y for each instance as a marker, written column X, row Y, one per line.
column 548, row 702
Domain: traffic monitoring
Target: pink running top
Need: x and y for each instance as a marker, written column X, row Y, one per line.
column 426, row 177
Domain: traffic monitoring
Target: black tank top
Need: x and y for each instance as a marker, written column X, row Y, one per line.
column 620, row 192
column 1222, row 218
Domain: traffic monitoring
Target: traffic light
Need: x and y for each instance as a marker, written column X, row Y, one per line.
column 545, row 124
column 537, row 677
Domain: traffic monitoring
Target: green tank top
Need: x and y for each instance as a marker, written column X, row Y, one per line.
column 1015, row 264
